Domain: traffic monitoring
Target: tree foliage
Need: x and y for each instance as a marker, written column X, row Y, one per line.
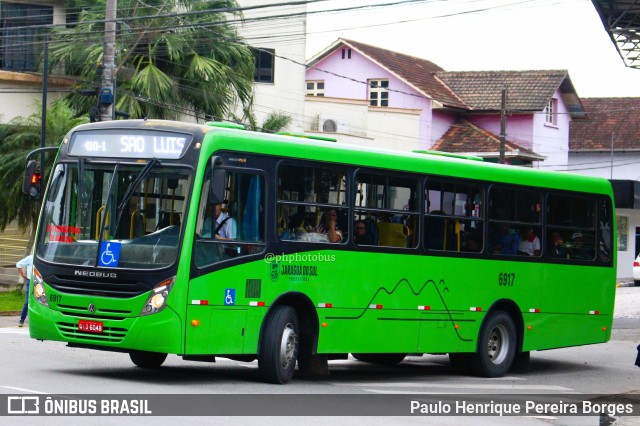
column 19, row 137
column 168, row 64
column 274, row 122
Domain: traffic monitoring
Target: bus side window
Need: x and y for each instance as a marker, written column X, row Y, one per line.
column 311, row 204
column 574, row 218
column 244, row 229
column 391, row 203
column 453, row 222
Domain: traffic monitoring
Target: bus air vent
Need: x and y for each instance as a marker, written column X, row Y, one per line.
column 253, row 288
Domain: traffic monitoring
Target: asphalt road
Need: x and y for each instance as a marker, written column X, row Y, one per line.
column 29, row 367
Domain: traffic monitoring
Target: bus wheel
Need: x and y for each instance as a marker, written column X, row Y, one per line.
column 496, row 346
column 279, row 348
column 382, row 359
column 144, row 359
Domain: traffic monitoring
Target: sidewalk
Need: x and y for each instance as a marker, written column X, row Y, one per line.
column 12, row 320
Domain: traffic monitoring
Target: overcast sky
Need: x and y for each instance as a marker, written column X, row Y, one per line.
column 487, row 35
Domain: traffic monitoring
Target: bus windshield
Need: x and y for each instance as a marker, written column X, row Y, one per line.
column 133, row 213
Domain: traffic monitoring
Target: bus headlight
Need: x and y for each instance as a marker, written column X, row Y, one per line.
column 158, row 298
column 38, row 288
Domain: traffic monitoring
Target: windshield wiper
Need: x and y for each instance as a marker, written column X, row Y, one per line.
column 132, row 186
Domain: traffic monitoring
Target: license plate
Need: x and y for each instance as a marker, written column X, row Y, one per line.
column 90, row 326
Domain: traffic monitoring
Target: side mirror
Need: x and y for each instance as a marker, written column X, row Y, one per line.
column 32, row 180
column 216, row 195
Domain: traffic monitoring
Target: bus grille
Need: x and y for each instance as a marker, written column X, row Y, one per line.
column 72, row 285
column 100, row 314
column 109, row 334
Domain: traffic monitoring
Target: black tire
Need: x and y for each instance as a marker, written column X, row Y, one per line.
column 381, row 359
column 636, row 283
column 144, row 359
column 279, row 346
column 496, row 346
column 461, row 362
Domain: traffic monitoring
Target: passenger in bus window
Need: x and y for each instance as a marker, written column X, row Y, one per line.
column 225, row 225
column 530, row 243
column 557, row 246
column 505, row 241
column 578, row 249
column 361, row 236
column 329, row 226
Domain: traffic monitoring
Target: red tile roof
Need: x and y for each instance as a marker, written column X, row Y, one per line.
column 469, row 90
column 464, row 137
column 617, row 118
column 418, row 72
column 526, row 90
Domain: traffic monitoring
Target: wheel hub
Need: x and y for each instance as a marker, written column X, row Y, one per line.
column 497, row 344
column 288, row 345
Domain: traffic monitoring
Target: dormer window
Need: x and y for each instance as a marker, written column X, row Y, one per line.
column 551, row 112
column 378, row 92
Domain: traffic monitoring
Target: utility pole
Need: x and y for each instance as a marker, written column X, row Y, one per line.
column 105, row 97
column 612, row 140
column 43, row 119
column 503, row 125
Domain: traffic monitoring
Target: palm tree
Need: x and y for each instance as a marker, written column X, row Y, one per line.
column 17, row 138
column 168, row 64
column 274, row 122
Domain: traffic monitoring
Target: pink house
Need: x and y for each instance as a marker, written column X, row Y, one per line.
column 378, row 97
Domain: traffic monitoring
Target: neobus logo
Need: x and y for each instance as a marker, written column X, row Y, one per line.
column 95, row 274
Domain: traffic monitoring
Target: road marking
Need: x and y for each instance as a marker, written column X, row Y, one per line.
column 23, row 390
column 462, row 386
column 14, row 331
column 434, row 392
column 444, row 388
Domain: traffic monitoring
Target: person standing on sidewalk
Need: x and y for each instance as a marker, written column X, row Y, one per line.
column 25, row 269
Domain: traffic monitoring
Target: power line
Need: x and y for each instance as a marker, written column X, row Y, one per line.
column 282, row 57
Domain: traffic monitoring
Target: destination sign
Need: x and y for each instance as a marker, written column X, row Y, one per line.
column 124, row 143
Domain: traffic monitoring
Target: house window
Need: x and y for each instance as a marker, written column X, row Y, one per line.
column 315, row 88
column 552, row 112
column 265, row 61
column 379, row 92
column 20, row 45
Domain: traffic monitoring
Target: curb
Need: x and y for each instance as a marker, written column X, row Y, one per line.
column 9, row 313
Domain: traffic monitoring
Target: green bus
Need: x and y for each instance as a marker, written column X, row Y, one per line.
column 205, row 241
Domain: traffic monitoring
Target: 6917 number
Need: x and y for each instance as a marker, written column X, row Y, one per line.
column 506, row 279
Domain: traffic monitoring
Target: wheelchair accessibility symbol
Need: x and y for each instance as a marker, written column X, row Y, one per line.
column 230, row 296
column 109, row 254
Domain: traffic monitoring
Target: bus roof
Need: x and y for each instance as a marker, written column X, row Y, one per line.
column 452, row 166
